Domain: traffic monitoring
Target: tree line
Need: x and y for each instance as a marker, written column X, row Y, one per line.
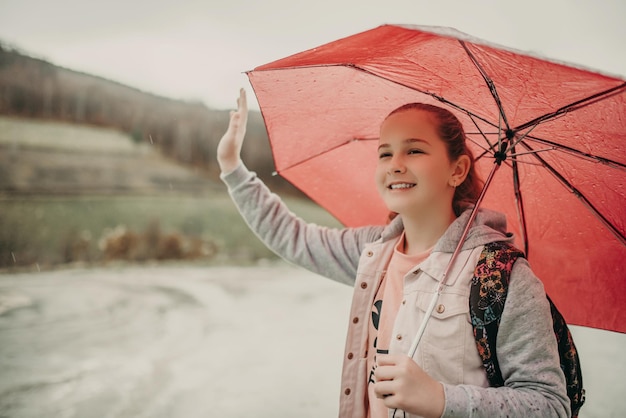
column 185, row 131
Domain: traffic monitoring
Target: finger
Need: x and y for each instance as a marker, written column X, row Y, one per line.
column 388, row 359
column 233, row 124
column 383, row 389
column 242, row 102
column 385, row 373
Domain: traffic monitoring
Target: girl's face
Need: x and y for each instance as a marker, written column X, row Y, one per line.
column 414, row 173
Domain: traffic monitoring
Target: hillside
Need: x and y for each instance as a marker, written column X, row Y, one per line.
column 186, row 132
column 58, row 158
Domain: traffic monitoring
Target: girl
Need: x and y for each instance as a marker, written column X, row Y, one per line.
column 426, row 176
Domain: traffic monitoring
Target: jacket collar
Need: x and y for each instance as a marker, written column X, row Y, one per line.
column 393, row 229
column 489, row 226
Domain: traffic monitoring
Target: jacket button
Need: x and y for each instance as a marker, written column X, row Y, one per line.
column 355, row 320
column 347, row 391
column 370, row 253
column 350, row 356
column 363, row 285
column 441, row 308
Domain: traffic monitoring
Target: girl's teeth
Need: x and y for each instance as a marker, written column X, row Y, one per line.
column 401, row 186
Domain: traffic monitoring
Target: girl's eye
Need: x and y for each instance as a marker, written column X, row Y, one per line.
column 415, row 151
column 384, row 155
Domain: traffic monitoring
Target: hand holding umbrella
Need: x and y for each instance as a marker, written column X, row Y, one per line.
column 229, row 148
column 405, row 386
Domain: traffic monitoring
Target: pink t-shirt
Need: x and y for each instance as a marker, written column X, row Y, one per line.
column 389, row 296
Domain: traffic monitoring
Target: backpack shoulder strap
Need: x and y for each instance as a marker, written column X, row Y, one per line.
column 488, row 293
column 570, row 362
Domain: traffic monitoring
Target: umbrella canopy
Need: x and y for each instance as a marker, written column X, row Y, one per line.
column 561, row 184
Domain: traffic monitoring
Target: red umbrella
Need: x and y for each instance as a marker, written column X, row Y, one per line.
column 562, row 130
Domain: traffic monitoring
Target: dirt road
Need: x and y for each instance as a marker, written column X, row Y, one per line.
column 186, row 342
column 170, row 342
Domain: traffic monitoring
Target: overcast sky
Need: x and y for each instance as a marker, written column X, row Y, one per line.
column 199, row 49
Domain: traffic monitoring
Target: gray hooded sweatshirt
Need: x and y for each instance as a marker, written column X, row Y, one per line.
column 526, row 345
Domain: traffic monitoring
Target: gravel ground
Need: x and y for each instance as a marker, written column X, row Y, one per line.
column 186, row 342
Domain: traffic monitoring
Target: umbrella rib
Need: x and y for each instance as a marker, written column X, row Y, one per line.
column 309, row 158
column 577, row 153
column 579, row 195
column 486, row 151
column 528, row 162
column 587, row 101
column 490, row 84
column 427, row 93
column 482, row 134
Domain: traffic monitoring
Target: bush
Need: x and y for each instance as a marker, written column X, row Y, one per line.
column 122, row 243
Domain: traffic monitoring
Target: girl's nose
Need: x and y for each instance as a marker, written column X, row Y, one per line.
column 396, row 166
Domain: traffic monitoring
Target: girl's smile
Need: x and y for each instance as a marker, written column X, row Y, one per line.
column 401, row 186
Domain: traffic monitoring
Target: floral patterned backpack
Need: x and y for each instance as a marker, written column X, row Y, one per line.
column 487, row 297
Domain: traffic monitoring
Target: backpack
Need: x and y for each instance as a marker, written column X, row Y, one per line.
column 487, row 297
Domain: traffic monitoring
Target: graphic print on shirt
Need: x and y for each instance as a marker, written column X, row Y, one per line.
column 376, row 314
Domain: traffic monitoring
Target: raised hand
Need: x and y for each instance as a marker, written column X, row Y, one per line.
column 229, row 147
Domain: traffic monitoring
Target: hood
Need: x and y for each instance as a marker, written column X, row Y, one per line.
column 489, row 226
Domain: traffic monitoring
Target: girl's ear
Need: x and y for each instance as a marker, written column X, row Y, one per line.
column 460, row 170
